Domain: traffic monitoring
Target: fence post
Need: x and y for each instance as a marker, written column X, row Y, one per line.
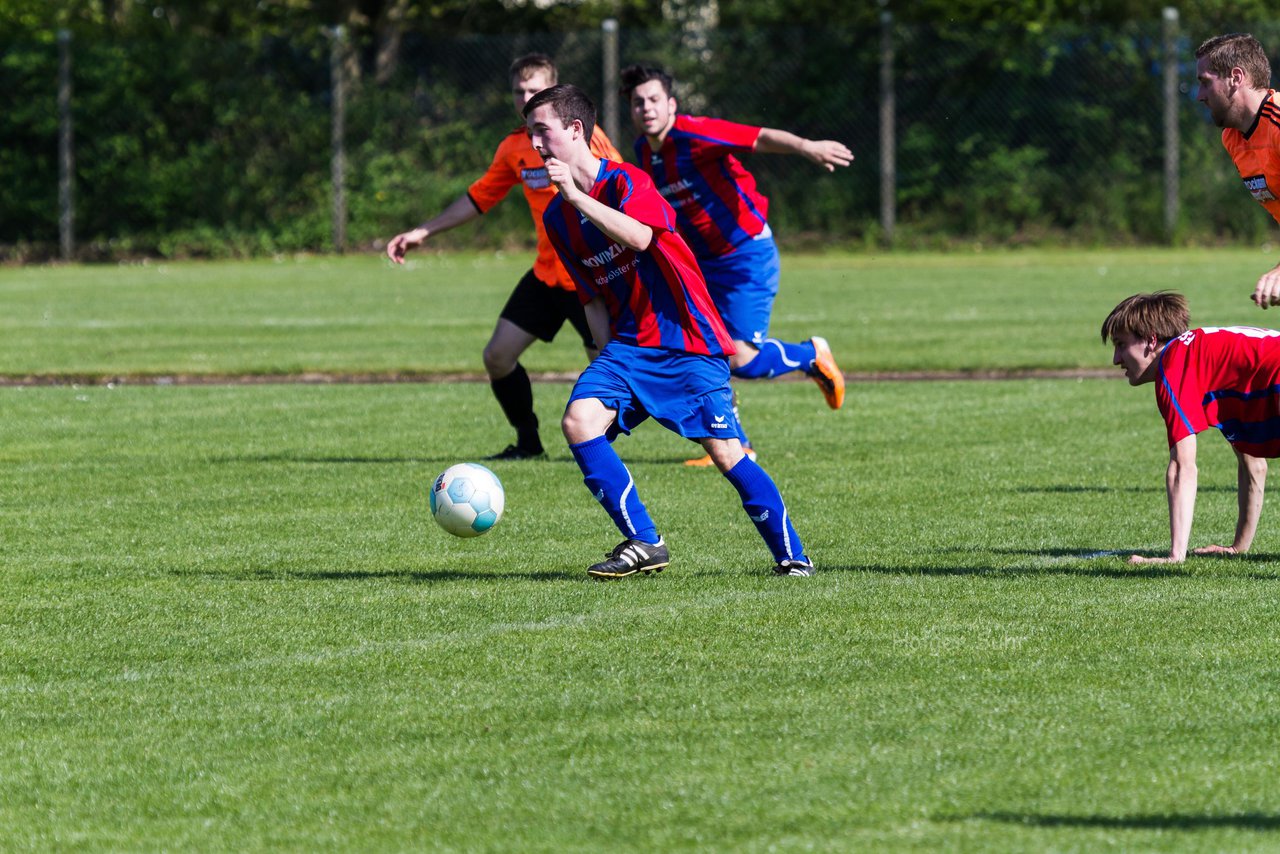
column 609, row 33
column 1171, row 99
column 338, row 145
column 66, row 151
column 888, row 164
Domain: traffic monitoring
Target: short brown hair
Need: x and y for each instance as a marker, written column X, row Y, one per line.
column 525, row 66
column 570, row 104
column 1163, row 314
column 633, row 75
column 1237, row 50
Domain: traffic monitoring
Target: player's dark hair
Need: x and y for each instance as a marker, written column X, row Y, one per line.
column 570, row 104
column 633, row 75
column 1234, row 50
column 524, row 66
column 1163, row 314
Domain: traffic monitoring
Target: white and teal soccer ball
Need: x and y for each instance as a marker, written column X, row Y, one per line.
column 467, row 500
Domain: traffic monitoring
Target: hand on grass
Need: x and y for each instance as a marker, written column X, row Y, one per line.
column 1216, row 550
column 1136, row 560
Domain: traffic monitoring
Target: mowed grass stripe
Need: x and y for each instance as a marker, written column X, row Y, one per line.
column 882, row 313
column 228, row 622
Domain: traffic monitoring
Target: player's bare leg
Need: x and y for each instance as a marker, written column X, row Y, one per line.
column 705, row 460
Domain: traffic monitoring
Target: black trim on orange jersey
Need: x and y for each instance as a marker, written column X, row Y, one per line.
column 1266, row 99
column 1270, row 111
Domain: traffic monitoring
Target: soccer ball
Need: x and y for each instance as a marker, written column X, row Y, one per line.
column 467, row 500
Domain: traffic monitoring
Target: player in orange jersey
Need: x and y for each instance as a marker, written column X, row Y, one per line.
column 545, row 297
column 1233, row 72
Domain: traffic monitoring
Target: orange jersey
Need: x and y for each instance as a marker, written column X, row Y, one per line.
column 1256, row 153
column 516, row 162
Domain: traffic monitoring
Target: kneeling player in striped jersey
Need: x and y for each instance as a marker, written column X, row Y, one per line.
column 1223, row 377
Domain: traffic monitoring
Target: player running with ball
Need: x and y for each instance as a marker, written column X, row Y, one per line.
column 664, row 349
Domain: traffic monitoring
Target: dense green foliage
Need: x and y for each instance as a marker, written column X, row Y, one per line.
column 201, row 130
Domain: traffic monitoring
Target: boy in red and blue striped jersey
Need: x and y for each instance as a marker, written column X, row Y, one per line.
column 724, row 218
column 1222, row 377
column 663, row 348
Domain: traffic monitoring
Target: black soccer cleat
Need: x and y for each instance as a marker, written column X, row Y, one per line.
column 630, row 557
column 790, row 566
column 515, row 452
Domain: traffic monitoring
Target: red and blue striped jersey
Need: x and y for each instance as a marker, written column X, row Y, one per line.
column 1228, row 378
column 696, row 169
column 656, row 298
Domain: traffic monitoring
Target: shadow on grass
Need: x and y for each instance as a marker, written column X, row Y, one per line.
column 1072, row 562
column 331, row 460
column 1174, row 821
column 410, row 576
column 1069, row 489
column 1013, row 571
column 317, row 459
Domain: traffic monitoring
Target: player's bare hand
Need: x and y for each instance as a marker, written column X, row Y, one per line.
column 828, row 153
column 402, row 243
column 1267, row 292
column 562, row 177
column 1136, row 560
column 1216, row 550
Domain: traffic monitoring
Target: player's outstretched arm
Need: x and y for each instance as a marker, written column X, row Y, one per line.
column 827, row 153
column 1267, row 291
column 1180, row 483
column 459, row 211
column 1251, row 480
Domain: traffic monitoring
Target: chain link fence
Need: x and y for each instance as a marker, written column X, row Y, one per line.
column 193, row 146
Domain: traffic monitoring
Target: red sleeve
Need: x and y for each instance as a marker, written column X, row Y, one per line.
column 720, row 135
column 1180, row 392
column 640, row 200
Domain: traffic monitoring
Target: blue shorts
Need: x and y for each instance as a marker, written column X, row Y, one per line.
column 684, row 392
column 743, row 285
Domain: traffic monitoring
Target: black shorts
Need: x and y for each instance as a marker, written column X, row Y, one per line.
column 541, row 309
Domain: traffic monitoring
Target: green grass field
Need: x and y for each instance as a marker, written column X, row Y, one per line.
column 228, row 623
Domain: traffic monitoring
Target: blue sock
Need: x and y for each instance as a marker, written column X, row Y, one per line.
column 776, row 358
column 610, row 482
column 763, row 503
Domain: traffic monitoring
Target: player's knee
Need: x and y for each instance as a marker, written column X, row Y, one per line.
column 572, row 426
column 498, row 362
column 583, row 422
